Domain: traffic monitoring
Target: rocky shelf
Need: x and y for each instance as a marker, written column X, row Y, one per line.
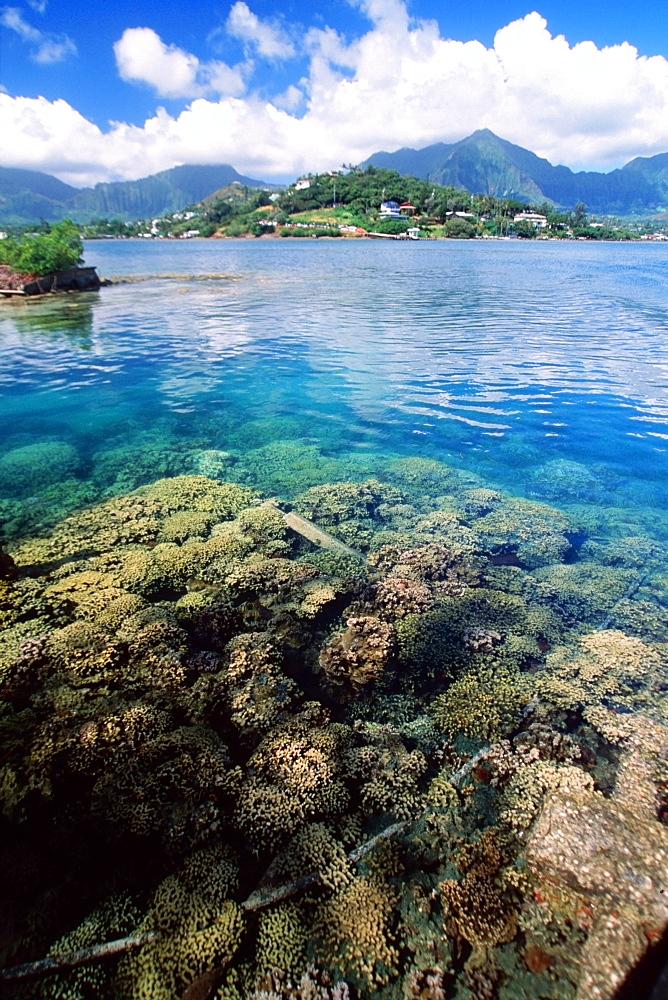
column 75, row 279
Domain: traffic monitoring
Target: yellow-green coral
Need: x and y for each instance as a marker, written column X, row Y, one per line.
column 296, row 774
column 282, row 936
column 354, row 929
column 34, row 466
column 533, row 531
column 115, row 918
column 602, row 665
column 196, row 933
column 483, row 704
column 258, row 694
column 314, row 849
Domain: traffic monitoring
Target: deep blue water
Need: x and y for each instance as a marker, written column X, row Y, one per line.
column 505, row 359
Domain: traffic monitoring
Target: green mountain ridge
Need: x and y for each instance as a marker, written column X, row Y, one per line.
column 28, row 196
column 483, row 163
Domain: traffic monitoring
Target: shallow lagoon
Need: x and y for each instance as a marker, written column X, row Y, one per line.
column 506, row 403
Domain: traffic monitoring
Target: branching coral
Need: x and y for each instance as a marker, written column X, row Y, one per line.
column 282, row 937
column 388, row 776
column 136, row 519
column 354, row 929
column 602, row 665
column 258, row 695
column 31, row 467
column 476, row 907
column 115, row 918
column 532, row 531
column 196, row 934
column 482, row 704
column 295, row 775
column 175, row 786
column 583, row 592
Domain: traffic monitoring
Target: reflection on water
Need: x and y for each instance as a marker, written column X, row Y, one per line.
column 70, row 316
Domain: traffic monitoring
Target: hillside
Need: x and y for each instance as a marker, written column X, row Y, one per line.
column 483, row 163
column 26, row 196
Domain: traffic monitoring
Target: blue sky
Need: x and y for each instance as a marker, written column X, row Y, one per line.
column 97, row 91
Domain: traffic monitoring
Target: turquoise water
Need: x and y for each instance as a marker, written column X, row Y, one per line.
column 501, row 358
column 195, row 701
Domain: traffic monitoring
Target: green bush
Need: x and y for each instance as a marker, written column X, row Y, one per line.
column 393, row 227
column 459, row 229
column 44, row 253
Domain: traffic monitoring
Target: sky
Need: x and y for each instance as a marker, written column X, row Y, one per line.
column 114, row 91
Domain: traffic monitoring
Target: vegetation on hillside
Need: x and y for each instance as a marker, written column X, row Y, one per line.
column 348, row 203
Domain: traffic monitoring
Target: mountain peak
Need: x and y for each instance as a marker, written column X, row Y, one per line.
column 484, row 163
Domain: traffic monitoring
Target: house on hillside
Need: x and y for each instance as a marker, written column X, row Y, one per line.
column 391, row 210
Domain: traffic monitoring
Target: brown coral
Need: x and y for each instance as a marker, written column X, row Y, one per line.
column 358, row 655
column 474, row 907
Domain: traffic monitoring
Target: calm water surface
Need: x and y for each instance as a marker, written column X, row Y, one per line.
column 497, row 357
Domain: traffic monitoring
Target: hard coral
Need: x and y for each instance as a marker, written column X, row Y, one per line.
column 354, row 929
column 358, row 655
column 476, row 907
column 482, row 704
column 258, row 695
column 32, row 467
column 295, row 775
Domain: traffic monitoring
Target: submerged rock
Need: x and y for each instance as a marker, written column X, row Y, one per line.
column 614, row 854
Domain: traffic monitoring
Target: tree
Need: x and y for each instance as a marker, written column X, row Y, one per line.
column 459, row 229
column 525, row 230
column 57, row 249
column 579, row 218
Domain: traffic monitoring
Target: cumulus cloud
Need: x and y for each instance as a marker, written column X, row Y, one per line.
column 266, row 39
column 401, row 83
column 46, row 47
column 143, row 57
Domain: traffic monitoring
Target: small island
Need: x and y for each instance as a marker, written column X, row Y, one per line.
column 48, row 261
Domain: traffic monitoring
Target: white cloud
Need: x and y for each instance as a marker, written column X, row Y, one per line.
column 399, row 84
column 142, row 57
column 46, row 47
column 267, row 39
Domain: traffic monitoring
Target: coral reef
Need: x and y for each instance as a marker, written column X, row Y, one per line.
column 358, row 655
column 32, row 467
column 315, row 774
column 533, row 533
column 483, row 703
column 354, row 930
column 474, row 907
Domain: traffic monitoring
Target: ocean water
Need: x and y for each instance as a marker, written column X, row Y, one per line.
column 502, row 358
column 507, row 400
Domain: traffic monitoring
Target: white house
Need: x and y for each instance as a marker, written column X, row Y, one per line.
column 390, row 210
column 536, row 220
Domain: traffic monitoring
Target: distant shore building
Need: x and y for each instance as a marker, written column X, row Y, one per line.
column 536, row 220
column 391, row 210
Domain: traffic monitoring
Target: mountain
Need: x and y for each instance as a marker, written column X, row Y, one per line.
column 26, row 196
column 485, row 164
